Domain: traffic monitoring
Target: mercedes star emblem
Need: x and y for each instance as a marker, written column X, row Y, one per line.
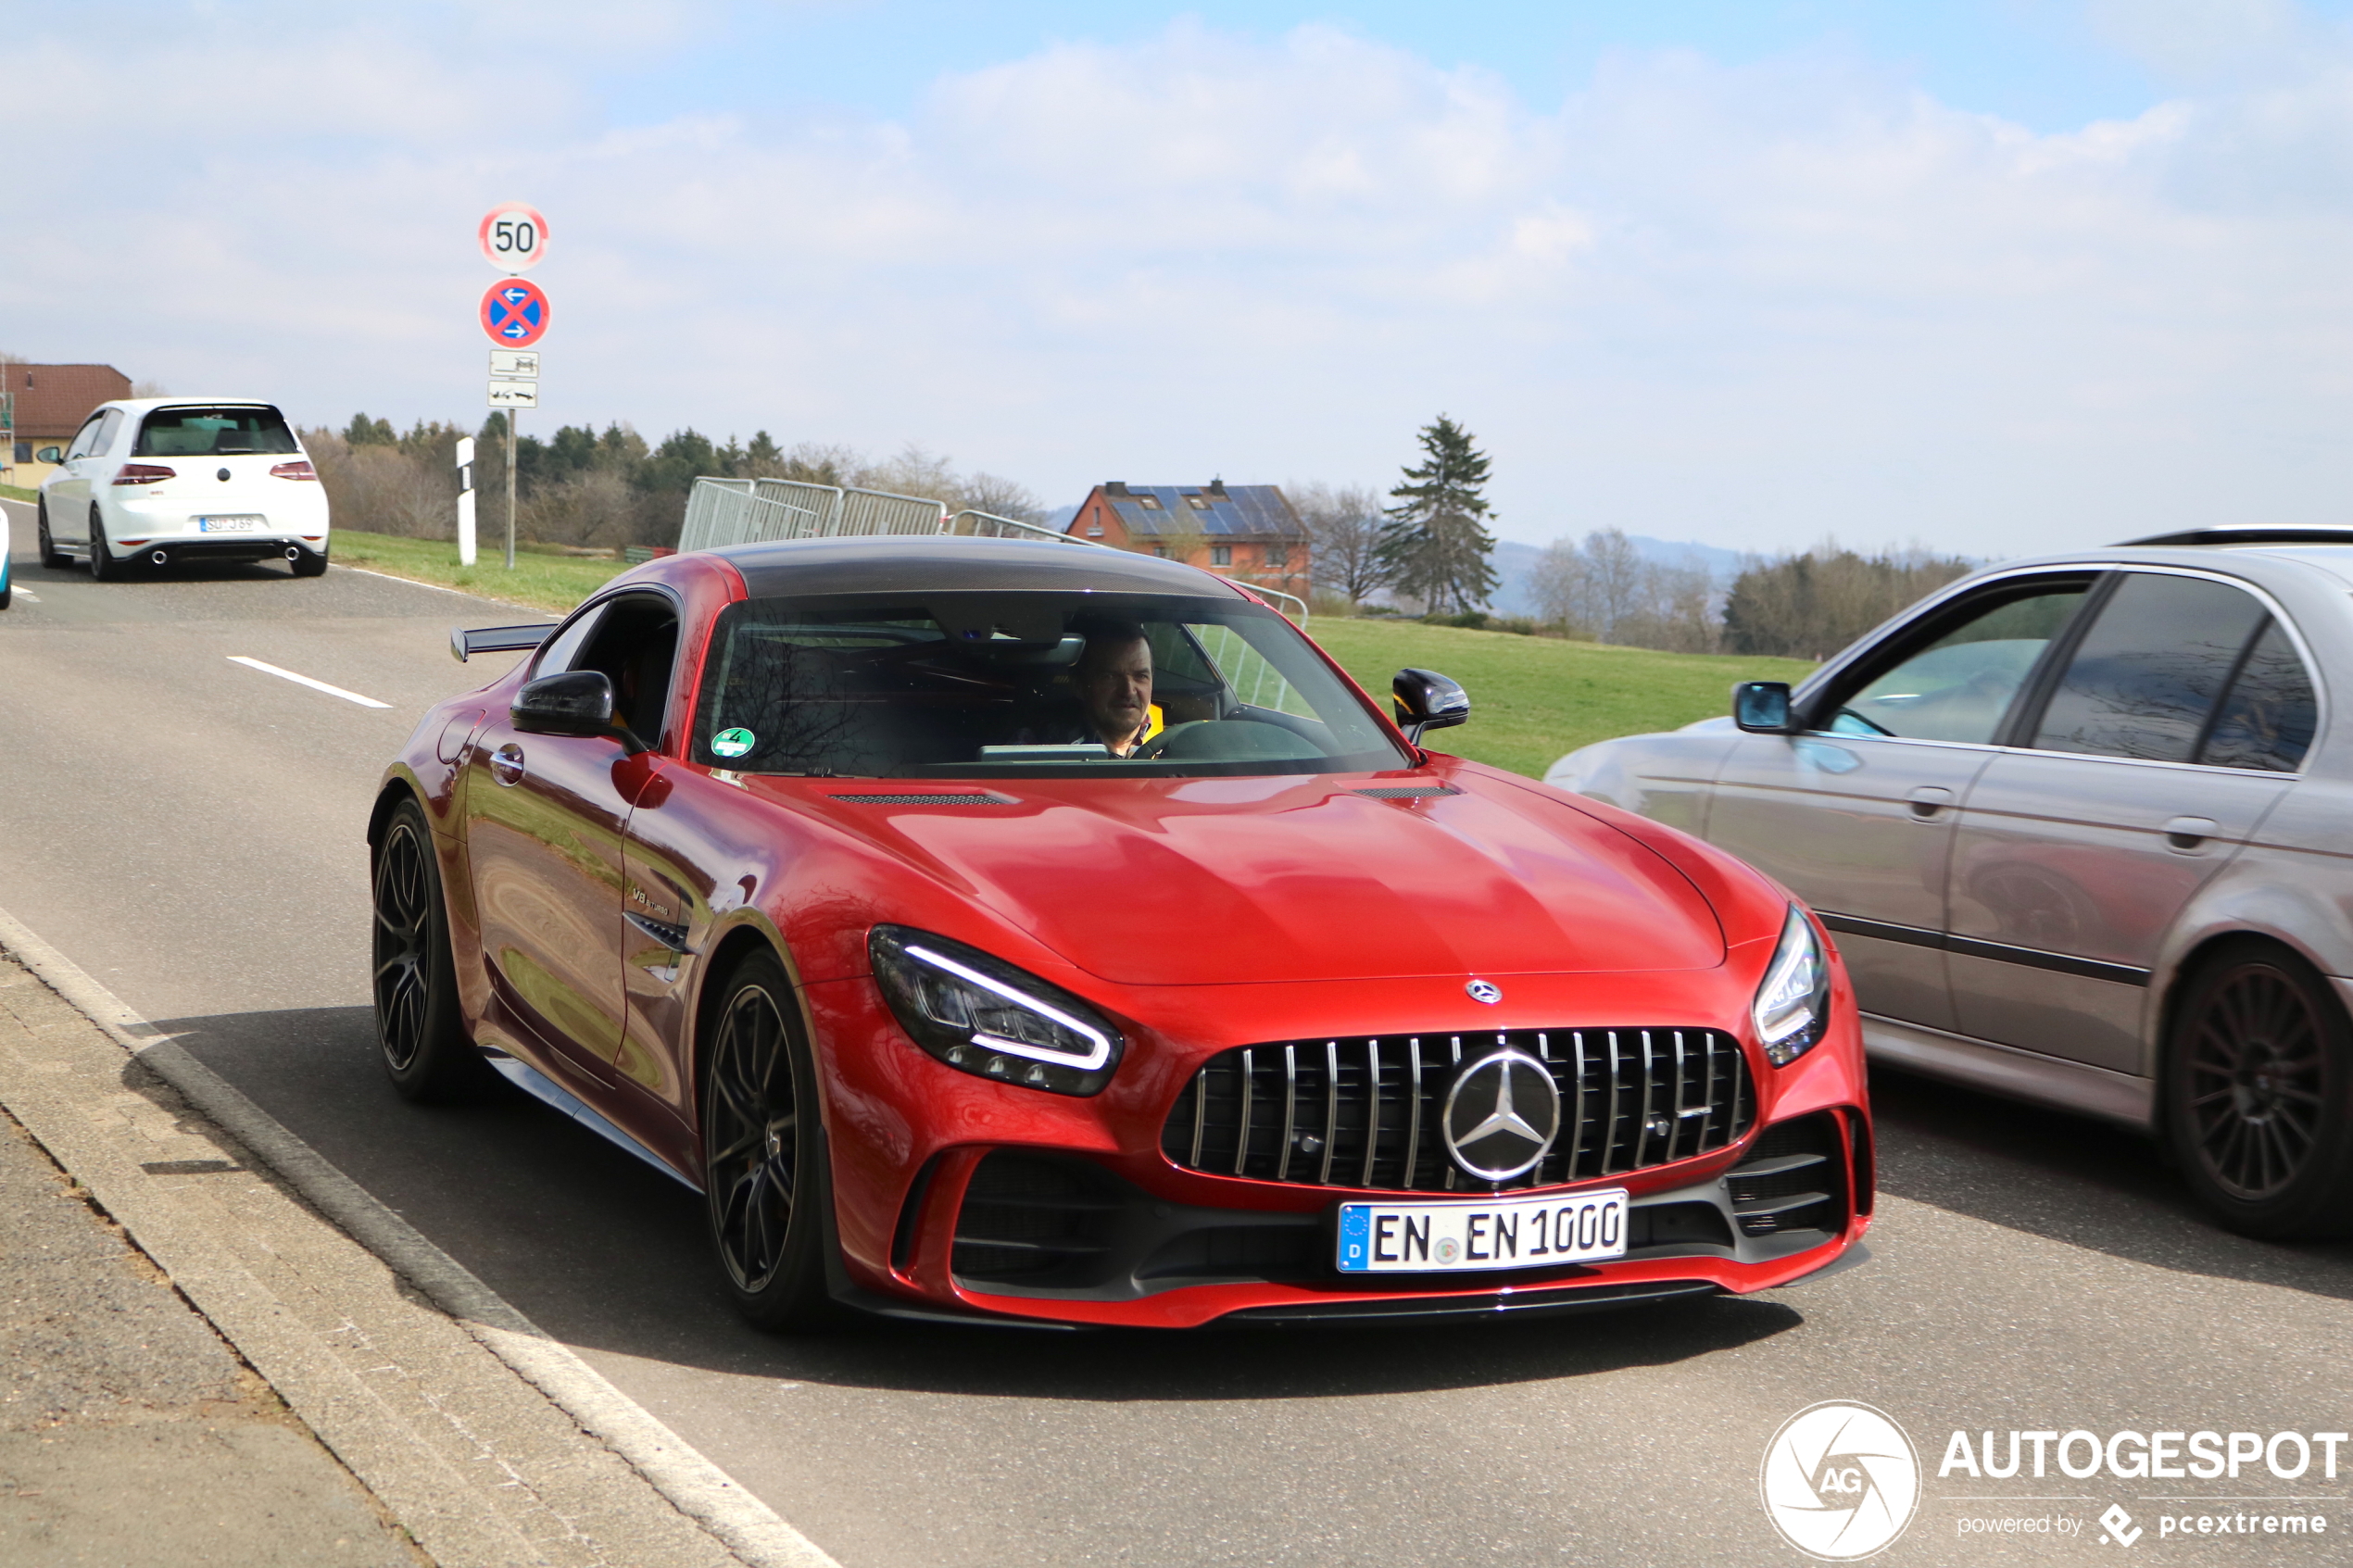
column 1484, row 991
column 1501, row 1114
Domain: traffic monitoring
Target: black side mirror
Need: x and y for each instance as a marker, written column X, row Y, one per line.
column 1762, row 707
column 1427, row 700
column 578, row 702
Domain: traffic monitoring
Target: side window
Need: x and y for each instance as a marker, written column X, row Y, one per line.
column 1247, row 672
column 2268, row 720
column 2148, row 675
column 85, row 438
column 634, row 644
column 108, row 423
column 1961, row 685
column 556, row 654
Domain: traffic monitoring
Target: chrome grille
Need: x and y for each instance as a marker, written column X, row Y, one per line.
column 1364, row 1113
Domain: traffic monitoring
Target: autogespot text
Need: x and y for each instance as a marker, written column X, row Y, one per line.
column 2131, row 1456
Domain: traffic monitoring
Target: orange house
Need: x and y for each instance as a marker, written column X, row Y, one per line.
column 1247, row 532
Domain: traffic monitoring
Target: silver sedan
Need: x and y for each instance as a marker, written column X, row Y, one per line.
column 2085, row 834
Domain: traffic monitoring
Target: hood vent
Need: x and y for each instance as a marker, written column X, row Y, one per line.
column 1404, row 792
column 929, row 797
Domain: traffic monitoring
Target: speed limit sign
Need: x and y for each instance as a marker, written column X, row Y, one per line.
column 514, row 237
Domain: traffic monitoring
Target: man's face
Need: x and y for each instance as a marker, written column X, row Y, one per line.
column 1115, row 684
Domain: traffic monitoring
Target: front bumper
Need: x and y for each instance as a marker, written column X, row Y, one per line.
column 959, row 1197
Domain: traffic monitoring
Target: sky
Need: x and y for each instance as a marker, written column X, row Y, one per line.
column 1989, row 278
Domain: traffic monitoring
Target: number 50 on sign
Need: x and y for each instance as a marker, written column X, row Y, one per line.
column 514, row 237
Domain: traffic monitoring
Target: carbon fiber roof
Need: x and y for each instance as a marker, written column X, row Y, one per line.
column 932, row 563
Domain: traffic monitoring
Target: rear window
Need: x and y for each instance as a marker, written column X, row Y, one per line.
column 205, row 433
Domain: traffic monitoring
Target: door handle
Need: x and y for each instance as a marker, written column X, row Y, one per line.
column 2189, row 834
column 1928, row 801
column 506, row 764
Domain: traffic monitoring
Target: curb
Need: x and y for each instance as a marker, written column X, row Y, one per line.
column 700, row 1489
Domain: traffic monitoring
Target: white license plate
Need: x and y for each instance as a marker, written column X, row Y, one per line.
column 230, row 524
column 1499, row 1232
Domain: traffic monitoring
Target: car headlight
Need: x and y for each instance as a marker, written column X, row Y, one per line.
column 986, row 1017
column 1793, row 1006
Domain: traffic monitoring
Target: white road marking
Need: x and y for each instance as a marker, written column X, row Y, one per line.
column 306, row 681
column 29, row 598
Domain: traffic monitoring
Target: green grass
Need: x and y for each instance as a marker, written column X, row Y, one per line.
column 542, row 580
column 1534, row 699
column 19, row 493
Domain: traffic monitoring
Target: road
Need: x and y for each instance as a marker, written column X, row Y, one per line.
column 188, row 829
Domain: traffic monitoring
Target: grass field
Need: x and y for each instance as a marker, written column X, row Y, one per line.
column 19, row 493
column 543, row 579
column 1532, row 698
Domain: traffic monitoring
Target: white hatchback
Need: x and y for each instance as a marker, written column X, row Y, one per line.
column 160, row 480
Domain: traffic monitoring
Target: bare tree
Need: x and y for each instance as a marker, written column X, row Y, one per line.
column 1344, row 524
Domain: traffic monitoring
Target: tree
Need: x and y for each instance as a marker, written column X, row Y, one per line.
column 1346, row 527
column 1434, row 545
column 1810, row 605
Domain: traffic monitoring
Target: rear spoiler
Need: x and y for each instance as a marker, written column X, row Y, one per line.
column 464, row 644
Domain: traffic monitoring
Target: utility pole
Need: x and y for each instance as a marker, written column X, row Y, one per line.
column 509, row 414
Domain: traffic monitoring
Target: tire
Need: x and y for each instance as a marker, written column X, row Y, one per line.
column 420, row 1037
column 52, row 557
column 2258, row 1092
column 103, row 567
column 764, row 1179
column 310, row 563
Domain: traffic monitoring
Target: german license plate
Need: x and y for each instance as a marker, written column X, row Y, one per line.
column 246, row 524
column 1498, row 1233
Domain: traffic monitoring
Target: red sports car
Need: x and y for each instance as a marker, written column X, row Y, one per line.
column 1014, row 931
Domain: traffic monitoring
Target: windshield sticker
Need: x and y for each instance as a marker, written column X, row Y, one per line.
column 731, row 743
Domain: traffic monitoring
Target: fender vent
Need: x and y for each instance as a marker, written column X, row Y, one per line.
column 931, row 798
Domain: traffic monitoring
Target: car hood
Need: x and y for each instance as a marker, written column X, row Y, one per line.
column 1209, row 880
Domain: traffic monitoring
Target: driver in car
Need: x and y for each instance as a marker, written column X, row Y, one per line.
column 1113, row 681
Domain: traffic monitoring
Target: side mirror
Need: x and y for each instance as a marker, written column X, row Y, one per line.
column 50, row 454
column 1427, row 700
column 1762, row 707
column 578, row 702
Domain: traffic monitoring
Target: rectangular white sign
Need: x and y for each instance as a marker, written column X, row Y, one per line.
column 514, row 394
column 513, row 363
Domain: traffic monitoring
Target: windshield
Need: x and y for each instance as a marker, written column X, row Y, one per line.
column 1018, row 684
column 204, row 432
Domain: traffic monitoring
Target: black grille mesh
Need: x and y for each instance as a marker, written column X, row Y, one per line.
column 1364, row 1113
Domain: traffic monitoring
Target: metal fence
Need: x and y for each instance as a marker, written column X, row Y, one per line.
column 756, row 511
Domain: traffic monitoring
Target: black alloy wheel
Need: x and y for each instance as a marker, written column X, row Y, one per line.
column 422, row 1039
column 103, row 567
column 764, row 1151
column 53, row 557
column 2260, row 1095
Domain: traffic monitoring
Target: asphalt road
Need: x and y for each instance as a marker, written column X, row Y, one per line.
column 188, row 829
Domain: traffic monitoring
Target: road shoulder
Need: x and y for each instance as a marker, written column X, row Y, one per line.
column 487, row 1441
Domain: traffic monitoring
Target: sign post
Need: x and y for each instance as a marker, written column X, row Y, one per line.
column 514, row 314
column 465, row 500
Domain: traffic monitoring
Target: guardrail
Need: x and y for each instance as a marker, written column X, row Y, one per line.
column 759, row 511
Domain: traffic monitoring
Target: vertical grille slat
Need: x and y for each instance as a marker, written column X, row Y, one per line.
column 1244, row 1113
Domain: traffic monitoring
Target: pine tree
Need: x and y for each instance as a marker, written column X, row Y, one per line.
column 1434, row 544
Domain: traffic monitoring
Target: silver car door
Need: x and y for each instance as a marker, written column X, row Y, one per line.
column 1856, row 815
column 2139, row 780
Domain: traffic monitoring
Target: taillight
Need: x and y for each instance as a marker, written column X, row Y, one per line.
column 145, row 473
column 299, row 469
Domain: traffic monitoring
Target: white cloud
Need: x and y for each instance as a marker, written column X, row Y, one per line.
column 1749, row 305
